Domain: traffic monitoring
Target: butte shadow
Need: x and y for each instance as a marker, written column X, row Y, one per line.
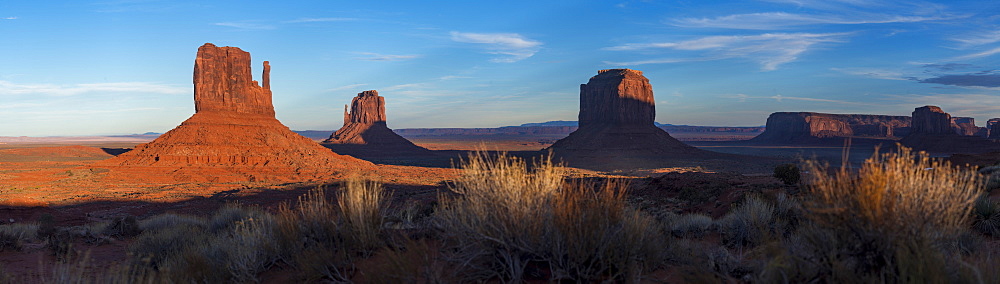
column 233, row 135
column 617, row 132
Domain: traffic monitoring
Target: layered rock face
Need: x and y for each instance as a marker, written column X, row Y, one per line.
column 966, row 126
column 931, row 120
column 365, row 125
column 933, row 131
column 994, row 128
column 616, row 122
column 618, row 97
column 233, row 132
column 806, row 127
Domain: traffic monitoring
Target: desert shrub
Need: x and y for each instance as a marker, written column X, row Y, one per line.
column 363, row 205
column 126, row 226
column 690, row 225
column 416, row 261
column 509, row 219
column 986, row 216
column 12, row 236
column 234, row 214
column 884, row 223
column 185, row 249
column 748, row 224
column 788, row 173
column 166, row 221
column 323, row 239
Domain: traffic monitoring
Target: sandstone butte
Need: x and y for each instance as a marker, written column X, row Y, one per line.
column 934, row 130
column 616, row 116
column 365, row 126
column 233, row 135
column 994, row 128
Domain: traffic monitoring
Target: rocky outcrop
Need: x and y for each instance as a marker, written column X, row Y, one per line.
column 233, row 135
column 931, row 120
column 222, row 82
column 365, row 128
column 616, row 124
column 933, row 131
column 618, row 97
column 994, row 128
column 965, row 126
column 811, row 127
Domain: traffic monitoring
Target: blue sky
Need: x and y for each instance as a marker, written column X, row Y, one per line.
column 118, row 67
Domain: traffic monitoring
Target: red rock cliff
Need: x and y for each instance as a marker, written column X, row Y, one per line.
column 367, row 107
column 994, row 126
column 799, row 127
column 222, row 82
column 365, row 127
column 617, row 96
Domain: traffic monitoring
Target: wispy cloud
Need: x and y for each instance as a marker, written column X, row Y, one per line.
column 986, row 80
column 770, row 50
column 514, row 47
column 10, row 18
column 317, row 20
column 781, row 20
column 346, row 87
column 452, row 77
column 386, row 57
column 246, row 26
column 404, row 87
column 9, row 88
column 977, row 54
column 780, row 98
column 875, row 73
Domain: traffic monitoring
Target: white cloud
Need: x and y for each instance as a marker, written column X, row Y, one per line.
column 770, row 50
column 404, row 86
column 874, row 73
column 10, row 18
column 245, row 26
column 779, row 98
column 514, row 46
column 9, row 88
column 316, row 20
column 386, row 57
column 346, row 87
column 780, row 20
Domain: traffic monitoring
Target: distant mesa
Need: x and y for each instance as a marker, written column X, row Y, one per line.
column 616, row 122
column 937, row 131
column 365, row 129
column 813, row 127
column 233, row 135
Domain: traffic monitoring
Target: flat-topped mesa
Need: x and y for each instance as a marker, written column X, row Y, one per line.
column 931, row 120
column 965, row 126
column 367, row 107
column 813, row 127
column 223, row 82
column 617, row 97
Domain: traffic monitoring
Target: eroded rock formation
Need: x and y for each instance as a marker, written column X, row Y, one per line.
column 933, row 131
column 994, row 126
column 233, row 135
column 809, row 127
column 365, row 127
column 616, row 122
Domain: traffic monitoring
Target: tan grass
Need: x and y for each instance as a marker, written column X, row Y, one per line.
column 363, row 205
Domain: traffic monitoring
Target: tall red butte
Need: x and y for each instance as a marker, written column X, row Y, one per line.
column 233, row 135
column 616, row 124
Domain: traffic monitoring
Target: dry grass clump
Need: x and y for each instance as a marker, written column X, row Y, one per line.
column 509, row 221
column 886, row 223
column 13, row 236
column 748, row 224
column 690, row 225
column 323, row 239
